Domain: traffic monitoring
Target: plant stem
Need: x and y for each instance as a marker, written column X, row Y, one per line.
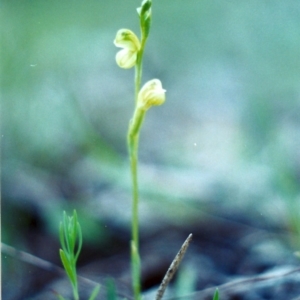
column 75, row 284
column 133, row 148
column 133, row 142
column 135, row 265
column 75, row 293
column 138, row 68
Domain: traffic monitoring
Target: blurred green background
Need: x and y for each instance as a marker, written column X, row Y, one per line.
column 227, row 140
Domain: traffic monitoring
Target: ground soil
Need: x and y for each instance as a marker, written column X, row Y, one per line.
column 244, row 261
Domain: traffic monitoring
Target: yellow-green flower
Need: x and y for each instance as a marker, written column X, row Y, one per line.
column 152, row 93
column 126, row 39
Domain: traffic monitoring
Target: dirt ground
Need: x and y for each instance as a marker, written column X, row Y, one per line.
column 244, row 261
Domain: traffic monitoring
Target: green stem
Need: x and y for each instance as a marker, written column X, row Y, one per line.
column 75, row 285
column 75, row 293
column 133, row 141
column 135, row 192
column 138, row 68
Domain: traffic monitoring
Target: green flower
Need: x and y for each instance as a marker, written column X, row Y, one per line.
column 152, row 93
column 126, row 39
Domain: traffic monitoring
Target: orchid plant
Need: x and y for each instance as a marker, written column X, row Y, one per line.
column 151, row 94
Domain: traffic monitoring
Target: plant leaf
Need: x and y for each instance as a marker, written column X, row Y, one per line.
column 62, row 236
column 95, row 292
column 67, row 266
column 60, row 297
column 216, row 294
column 79, row 232
column 111, row 293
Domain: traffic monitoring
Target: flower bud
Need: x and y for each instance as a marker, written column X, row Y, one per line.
column 152, row 93
column 145, row 13
column 145, row 7
column 126, row 39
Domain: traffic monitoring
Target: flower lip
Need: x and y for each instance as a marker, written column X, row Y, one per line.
column 126, row 59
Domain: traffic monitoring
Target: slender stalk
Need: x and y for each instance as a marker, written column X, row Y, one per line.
column 75, row 292
column 138, row 68
column 135, row 261
column 75, row 283
column 133, row 143
column 133, row 150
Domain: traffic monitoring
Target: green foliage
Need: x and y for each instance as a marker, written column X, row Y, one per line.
column 95, row 292
column 216, row 295
column 111, row 293
column 70, row 236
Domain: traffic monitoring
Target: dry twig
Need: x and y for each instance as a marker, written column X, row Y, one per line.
column 173, row 268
